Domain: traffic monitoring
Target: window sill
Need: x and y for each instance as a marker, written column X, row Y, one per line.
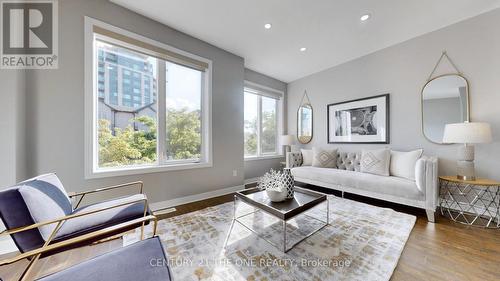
column 255, row 158
column 105, row 173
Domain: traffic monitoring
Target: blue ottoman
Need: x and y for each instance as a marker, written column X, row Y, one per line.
column 144, row 260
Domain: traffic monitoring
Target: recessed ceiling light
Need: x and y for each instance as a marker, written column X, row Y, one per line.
column 365, row 17
column 303, row 49
column 268, row 26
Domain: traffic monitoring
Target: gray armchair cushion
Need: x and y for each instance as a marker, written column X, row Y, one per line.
column 46, row 200
column 133, row 262
column 99, row 220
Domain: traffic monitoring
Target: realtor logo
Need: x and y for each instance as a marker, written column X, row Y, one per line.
column 29, row 34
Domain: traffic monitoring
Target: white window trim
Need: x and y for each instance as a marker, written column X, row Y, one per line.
column 279, row 120
column 90, row 157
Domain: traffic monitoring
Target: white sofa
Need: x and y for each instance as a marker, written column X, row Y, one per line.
column 421, row 192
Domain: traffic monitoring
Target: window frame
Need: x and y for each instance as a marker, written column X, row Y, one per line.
column 92, row 169
column 279, row 120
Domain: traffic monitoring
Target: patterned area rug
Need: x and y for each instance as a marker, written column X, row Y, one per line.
column 362, row 242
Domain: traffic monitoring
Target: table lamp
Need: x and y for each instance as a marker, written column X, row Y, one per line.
column 467, row 134
column 288, row 141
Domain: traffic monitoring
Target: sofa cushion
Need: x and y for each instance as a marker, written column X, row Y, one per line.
column 376, row 161
column 325, row 158
column 46, row 200
column 87, row 223
column 350, row 161
column 369, row 182
column 403, row 163
column 307, row 157
column 144, row 260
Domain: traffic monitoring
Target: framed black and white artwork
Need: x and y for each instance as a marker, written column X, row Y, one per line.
column 363, row 120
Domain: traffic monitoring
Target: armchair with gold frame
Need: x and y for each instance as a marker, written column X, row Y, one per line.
column 41, row 220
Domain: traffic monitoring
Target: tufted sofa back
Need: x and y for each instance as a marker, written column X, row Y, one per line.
column 350, row 161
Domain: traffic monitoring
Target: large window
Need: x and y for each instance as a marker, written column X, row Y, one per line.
column 149, row 105
column 261, row 124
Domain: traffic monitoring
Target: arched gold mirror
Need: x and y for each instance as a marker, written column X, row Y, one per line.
column 305, row 120
column 445, row 100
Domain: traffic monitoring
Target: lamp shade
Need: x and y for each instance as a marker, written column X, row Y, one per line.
column 469, row 132
column 287, row 140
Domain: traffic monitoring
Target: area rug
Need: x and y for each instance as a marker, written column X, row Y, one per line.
column 361, row 242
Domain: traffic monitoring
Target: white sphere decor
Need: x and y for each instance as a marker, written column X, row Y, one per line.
column 276, row 196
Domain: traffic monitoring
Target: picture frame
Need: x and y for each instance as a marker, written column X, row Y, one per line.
column 365, row 120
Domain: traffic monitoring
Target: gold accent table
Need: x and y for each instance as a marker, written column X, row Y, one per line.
column 475, row 203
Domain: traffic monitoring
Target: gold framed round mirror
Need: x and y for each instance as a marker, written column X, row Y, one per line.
column 445, row 100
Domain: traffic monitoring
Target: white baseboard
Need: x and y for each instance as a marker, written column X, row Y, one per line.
column 193, row 198
column 252, row 180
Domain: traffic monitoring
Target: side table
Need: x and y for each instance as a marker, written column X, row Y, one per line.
column 475, row 203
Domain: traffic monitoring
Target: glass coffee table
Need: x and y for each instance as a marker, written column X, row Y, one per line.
column 304, row 200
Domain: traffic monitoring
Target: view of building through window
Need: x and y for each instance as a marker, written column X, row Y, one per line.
column 260, row 125
column 127, row 106
column 127, row 109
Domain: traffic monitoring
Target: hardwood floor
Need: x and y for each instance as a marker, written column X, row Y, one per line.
column 435, row 251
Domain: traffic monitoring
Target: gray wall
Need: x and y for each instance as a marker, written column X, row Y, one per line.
column 55, row 110
column 12, row 127
column 402, row 71
column 256, row 168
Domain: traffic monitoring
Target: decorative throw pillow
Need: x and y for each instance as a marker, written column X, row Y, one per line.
column 307, row 157
column 403, row 163
column 46, row 200
column 324, row 158
column 376, row 161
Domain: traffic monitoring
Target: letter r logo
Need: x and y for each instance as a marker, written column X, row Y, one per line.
column 27, row 27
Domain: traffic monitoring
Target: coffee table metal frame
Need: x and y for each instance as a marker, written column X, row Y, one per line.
column 284, row 216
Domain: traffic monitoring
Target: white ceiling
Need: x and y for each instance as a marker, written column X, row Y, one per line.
column 329, row 29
